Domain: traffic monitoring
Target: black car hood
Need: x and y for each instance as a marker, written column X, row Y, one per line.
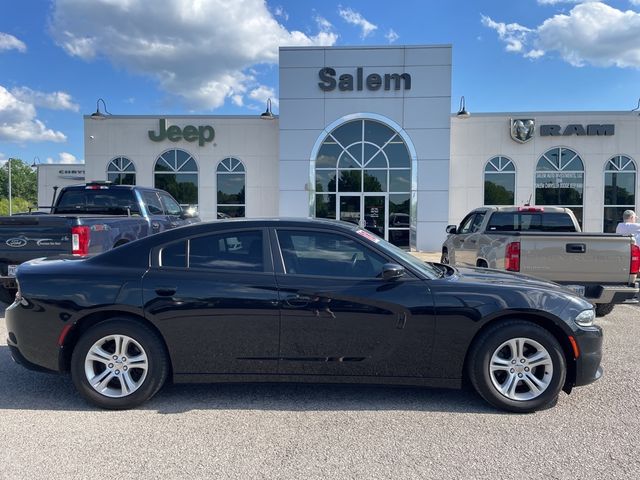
column 488, row 275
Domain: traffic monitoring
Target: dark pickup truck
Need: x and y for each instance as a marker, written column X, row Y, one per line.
column 85, row 220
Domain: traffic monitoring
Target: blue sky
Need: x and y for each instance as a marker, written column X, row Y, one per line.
column 57, row 57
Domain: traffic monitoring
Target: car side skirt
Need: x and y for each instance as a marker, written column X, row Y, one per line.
column 343, row 379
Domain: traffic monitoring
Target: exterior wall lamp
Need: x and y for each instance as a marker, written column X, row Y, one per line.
column 268, row 114
column 98, row 115
column 462, row 112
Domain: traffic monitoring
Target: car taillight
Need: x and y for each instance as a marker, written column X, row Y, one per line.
column 80, row 240
column 635, row 260
column 512, row 257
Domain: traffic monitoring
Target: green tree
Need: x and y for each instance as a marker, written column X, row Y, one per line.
column 24, row 187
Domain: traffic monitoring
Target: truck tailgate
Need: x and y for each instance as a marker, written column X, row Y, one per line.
column 577, row 257
column 25, row 237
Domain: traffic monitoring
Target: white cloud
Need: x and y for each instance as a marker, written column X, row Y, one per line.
column 391, row 36
column 279, row 11
column 513, row 34
column 201, row 51
column 18, row 122
column 262, row 94
column 592, row 33
column 53, row 100
column 354, row 18
column 9, row 42
column 64, row 157
column 635, row 2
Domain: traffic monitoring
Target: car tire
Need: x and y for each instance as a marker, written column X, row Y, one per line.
column 517, row 366
column 119, row 364
column 444, row 258
column 7, row 295
column 603, row 309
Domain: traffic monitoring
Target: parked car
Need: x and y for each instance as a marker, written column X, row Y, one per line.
column 296, row 300
column 546, row 242
column 85, row 219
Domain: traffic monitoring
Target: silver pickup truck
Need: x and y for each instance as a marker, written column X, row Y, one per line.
column 546, row 242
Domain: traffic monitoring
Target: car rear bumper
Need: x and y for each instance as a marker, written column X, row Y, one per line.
column 588, row 368
column 612, row 294
column 32, row 341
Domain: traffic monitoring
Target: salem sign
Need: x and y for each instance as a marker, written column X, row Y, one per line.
column 374, row 81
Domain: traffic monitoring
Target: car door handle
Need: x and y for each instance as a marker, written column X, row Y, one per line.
column 166, row 291
column 576, row 248
column 155, row 225
column 297, row 301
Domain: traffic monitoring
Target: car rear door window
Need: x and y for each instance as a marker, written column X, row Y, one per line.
column 237, row 251
column 327, row 254
column 174, row 255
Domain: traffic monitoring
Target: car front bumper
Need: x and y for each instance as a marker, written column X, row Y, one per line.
column 588, row 368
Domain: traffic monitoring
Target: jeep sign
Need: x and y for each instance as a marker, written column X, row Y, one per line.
column 204, row 134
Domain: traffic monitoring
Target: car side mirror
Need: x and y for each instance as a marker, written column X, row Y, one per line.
column 392, row 271
column 451, row 229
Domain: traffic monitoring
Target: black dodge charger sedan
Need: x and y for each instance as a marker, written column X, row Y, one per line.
column 296, row 301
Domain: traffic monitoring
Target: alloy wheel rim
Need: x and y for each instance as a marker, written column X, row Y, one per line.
column 116, row 366
column 521, row 369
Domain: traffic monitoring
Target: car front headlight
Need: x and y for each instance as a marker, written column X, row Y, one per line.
column 586, row 317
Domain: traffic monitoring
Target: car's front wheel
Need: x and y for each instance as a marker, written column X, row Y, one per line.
column 119, row 364
column 517, row 366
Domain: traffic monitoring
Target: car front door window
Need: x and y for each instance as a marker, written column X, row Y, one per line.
column 327, row 254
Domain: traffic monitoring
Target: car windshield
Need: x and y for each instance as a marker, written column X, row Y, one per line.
column 428, row 269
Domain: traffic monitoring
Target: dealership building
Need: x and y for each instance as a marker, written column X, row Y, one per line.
column 366, row 134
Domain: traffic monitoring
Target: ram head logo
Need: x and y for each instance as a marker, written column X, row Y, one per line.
column 522, row 129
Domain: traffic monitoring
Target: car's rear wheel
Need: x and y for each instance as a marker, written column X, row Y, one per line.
column 119, row 364
column 517, row 366
column 444, row 258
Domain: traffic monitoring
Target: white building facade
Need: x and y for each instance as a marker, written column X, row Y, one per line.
column 366, row 135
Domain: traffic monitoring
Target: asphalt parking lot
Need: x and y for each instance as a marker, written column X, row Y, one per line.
column 297, row 431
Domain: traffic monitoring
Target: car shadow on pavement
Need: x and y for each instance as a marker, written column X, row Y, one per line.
column 23, row 389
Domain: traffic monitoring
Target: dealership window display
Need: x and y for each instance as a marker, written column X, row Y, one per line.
column 619, row 190
column 560, row 180
column 121, row 171
column 499, row 182
column 363, row 176
column 176, row 172
column 231, row 181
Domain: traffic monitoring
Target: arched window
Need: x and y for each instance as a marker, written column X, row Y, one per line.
column 121, row 171
column 363, row 175
column 560, row 180
column 231, row 181
column 499, row 182
column 177, row 172
column 619, row 190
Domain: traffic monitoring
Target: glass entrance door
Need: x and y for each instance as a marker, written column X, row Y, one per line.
column 367, row 211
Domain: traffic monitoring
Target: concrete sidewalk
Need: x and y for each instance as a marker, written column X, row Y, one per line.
column 428, row 256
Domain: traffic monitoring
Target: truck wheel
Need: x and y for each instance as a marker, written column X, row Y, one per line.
column 444, row 258
column 119, row 364
column 7, row 295
column 517, row 366
column 603, row 309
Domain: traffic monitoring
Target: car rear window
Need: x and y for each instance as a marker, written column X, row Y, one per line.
column 97, row 201
column 534, row 222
